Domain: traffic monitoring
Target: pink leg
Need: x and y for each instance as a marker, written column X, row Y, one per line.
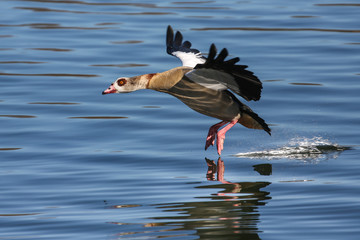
column 210, row 139
column 221, row 136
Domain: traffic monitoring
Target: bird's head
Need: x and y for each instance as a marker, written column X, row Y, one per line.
column 121, row 85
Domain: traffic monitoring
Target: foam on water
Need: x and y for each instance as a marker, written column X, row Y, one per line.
column 300, row 148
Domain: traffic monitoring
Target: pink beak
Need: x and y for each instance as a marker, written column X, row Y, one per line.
column 111, row 89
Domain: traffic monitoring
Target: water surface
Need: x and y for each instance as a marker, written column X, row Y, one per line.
column 78, row 165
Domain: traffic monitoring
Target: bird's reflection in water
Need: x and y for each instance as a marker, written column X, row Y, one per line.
column 223, row 210
column 230, row 212
column 219, row 169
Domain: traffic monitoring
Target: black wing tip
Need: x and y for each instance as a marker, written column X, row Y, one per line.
column 249, row 85
column 169, row 32
column 213, row 48
column 187, row 44
column 178, row 39
column 169, row 39
column 174, row 42
column 220, row 57
column 233, row 61
column 212, row 54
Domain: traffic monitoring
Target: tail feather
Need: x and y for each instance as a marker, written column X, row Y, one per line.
column 250, row 119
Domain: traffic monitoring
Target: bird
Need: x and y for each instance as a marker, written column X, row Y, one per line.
column 205, row 84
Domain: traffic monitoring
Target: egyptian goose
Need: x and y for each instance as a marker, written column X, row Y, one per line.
column 203, row 84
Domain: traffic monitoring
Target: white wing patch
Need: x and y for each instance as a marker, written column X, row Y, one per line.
column 189, row 59
column 175, row 46
column 209, row 78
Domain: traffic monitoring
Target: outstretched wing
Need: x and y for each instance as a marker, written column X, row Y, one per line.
column 182, row 50
column 216, row 73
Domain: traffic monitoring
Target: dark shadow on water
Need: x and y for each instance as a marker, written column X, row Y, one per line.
column 263, row 169
column 229, row 211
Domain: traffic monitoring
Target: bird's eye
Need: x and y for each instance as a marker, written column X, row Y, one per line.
column 121, row 81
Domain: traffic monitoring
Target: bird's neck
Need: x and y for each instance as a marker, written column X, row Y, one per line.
column 165, row 80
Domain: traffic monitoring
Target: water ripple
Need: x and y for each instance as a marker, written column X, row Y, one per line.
column 120, row 65
column 9, row 149
column 54, row 103
column 38, row 9
column 50, row 26
column 18, row 116
column 22, row 62
column 52, row 49
column 48, row 74
column 338, row 5
column 127, row 42
column 99, row 117
column 276, row 29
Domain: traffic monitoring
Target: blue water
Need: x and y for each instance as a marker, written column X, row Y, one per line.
column 78, row 165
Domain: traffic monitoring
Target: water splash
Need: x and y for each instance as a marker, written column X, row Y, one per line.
column 300, row 148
